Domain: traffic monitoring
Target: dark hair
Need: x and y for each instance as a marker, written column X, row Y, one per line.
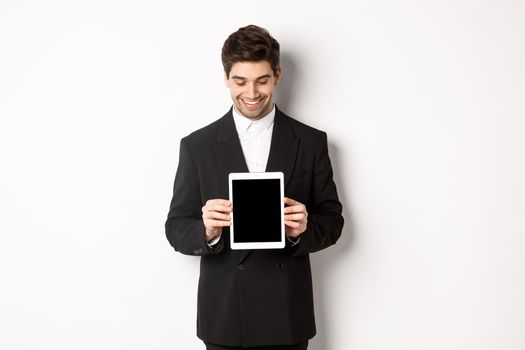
column 250, row 44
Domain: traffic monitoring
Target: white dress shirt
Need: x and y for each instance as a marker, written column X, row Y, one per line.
column 255, row 137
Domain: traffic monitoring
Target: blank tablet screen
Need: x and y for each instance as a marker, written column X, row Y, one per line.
column 256, row 210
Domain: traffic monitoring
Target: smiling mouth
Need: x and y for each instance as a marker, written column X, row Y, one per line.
column 251, row 103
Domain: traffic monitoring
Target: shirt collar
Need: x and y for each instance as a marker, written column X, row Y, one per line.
column 243, row 124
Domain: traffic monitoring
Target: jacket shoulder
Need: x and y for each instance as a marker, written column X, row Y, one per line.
column 204, row 134
column 303, row 130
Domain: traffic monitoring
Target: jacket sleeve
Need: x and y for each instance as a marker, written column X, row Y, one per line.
column 185, row 229
column 325, row 222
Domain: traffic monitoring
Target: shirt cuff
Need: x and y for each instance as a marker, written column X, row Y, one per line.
column 214, row 241
column 293, row 241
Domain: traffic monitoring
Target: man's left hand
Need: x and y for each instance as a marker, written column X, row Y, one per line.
column 295, row 217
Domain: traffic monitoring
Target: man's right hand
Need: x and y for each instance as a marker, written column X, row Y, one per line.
column 216, row 214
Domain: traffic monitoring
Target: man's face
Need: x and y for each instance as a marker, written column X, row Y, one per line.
column 251, row 86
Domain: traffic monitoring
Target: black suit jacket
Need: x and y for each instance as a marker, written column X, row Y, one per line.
column 254, row 297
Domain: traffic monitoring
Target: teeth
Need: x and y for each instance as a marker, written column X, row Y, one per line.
column 250, row 103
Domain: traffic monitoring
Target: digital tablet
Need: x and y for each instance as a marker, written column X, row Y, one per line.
column 258, row 210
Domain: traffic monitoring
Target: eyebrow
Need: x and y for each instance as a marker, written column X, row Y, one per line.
column 261, row 77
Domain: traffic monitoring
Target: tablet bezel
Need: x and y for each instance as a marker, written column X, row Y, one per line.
column 257, row 176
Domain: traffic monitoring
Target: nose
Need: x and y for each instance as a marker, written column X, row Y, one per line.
column 252, row 91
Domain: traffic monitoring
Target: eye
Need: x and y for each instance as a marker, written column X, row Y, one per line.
column 262, row 82
column 240, row 83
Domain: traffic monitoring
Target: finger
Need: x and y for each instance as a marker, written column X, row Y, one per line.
column 290, row 201
column 293, row 224
column 295, row 209
column 216, row 223
column 216, row 215
column 294, row 217
column 224, row 202
column 217, row 207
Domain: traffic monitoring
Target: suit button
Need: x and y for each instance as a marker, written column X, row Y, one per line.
column 241, row 267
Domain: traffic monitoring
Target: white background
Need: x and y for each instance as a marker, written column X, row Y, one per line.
column 423, row 103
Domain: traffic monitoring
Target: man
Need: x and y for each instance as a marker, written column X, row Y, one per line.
column 259, row 299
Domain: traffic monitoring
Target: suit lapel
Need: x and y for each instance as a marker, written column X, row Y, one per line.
column 283, row 151
column 283, row 148
column 228, row 148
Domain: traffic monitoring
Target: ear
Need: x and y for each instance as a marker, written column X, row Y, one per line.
column 226, row 80
column 278, row 75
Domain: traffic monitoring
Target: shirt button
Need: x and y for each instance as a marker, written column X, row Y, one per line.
column 241, row 267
